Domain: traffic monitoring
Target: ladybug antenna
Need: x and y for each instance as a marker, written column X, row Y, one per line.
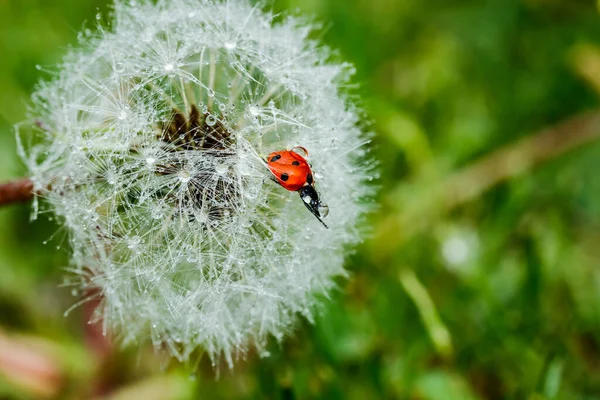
column 310, row 198
column 301, row 151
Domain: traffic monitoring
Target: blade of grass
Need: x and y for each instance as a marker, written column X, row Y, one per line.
column 439, row 334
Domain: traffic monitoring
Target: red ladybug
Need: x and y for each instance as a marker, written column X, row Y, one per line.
column 291, row 170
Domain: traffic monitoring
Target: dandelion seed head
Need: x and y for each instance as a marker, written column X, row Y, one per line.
column 152, row 154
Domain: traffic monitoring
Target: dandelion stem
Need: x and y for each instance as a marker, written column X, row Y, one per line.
column 18, row 191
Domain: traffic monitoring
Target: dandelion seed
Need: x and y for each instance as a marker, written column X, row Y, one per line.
column 192, row 243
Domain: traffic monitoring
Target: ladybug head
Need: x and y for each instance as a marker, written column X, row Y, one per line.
column 311, row 200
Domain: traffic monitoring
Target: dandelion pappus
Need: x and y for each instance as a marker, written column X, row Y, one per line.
column 291, row 171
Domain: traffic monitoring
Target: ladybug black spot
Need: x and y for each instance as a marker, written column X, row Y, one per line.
column 285, row 177
column 275, row 158
column 309, row 179
column 296, row 163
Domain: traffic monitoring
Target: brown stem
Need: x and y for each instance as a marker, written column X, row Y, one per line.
column 18, row 191
column 514, row 159
column 470, row 182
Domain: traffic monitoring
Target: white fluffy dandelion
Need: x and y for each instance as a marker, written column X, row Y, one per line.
column 151, row 147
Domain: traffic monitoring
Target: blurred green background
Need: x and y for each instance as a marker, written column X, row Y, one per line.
column 481, row 279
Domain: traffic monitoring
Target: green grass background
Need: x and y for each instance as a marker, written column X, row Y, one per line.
column 496, row 298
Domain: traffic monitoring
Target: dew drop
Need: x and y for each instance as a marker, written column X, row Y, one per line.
column 110, row 178
column 184, row 176
column 221, row 168
column 210, row 120
column 254, row 110
column 251, row 193
column 230, row 45
column 122, row 115
column 211, row 93
column 134, row 243
column 244, row 168
column 157, row 213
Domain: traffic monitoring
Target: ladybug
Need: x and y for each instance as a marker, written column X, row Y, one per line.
column 291, row 170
